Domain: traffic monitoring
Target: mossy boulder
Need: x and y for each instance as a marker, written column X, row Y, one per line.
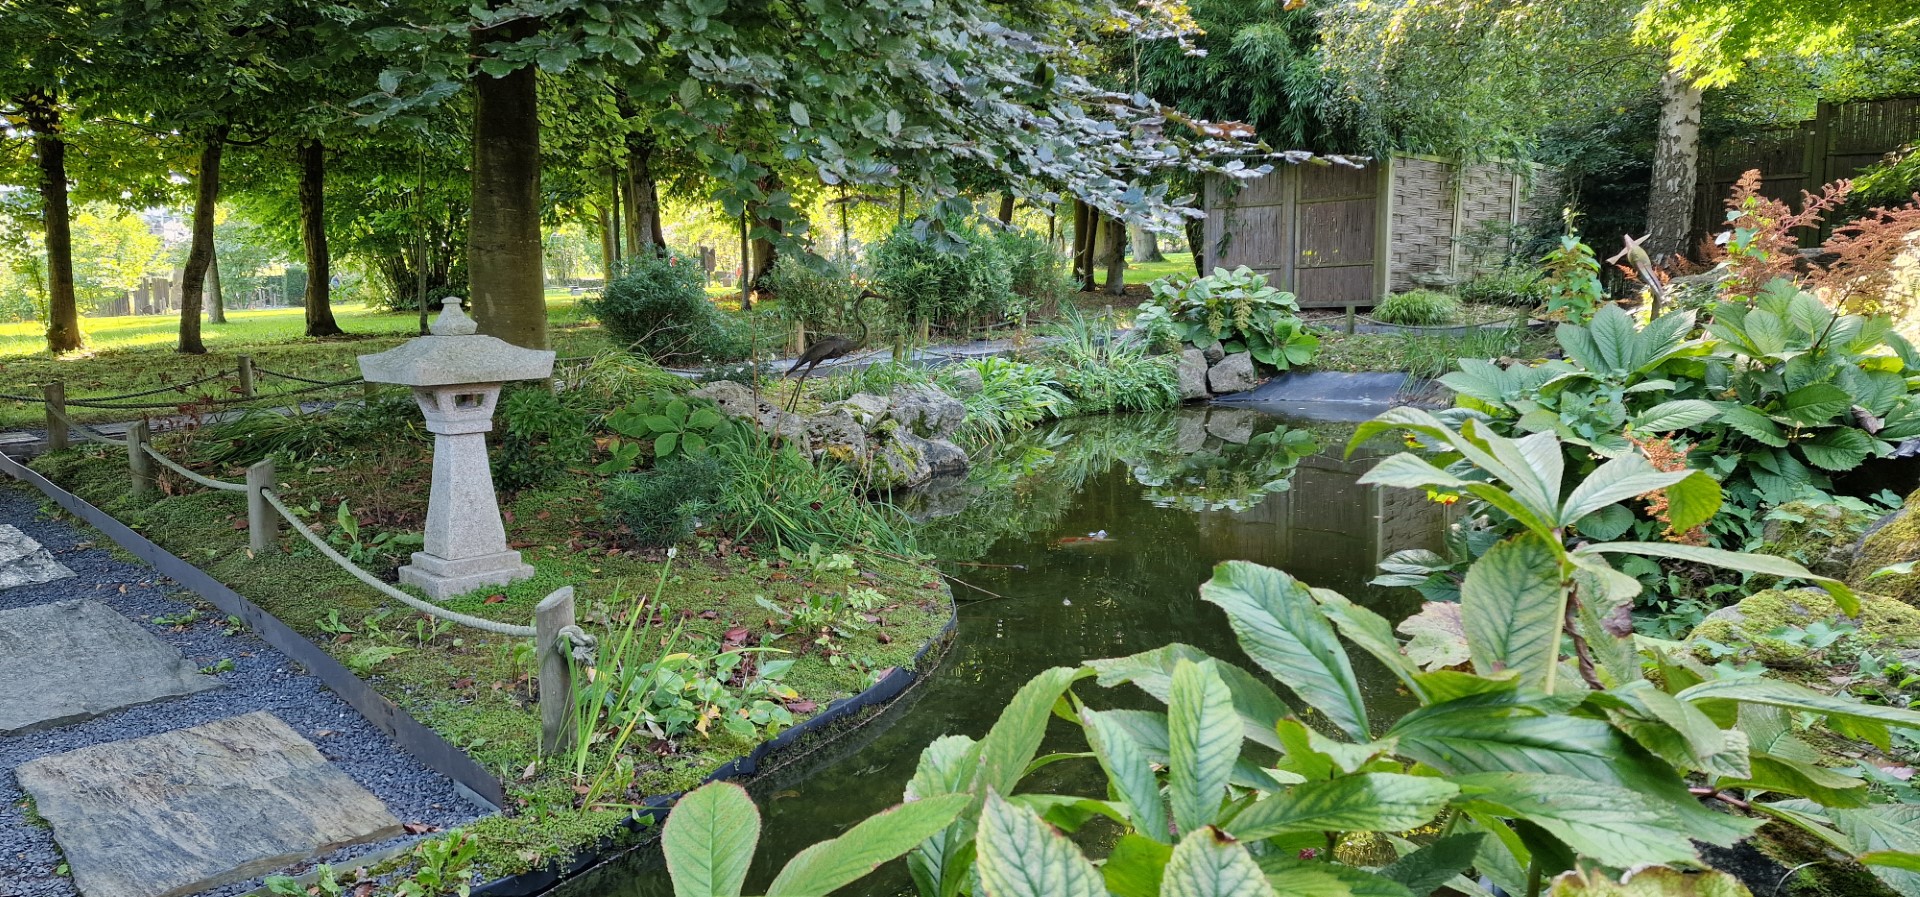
column 1820, row 535
column 1895, row 542
column 1753, row 625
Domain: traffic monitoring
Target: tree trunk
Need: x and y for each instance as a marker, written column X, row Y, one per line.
column 1676, row 167
column 504, row 253
column 1146, row 248
column 313, row 235
column 216, row 299
column 50, row 150
column 643, row 198
column 1084, row 227
column 1006, row 208
column 1115, row 255
column 606, row 243
column 618, row 235
column 1196, row 238
column 193, row 278
column 763, row 248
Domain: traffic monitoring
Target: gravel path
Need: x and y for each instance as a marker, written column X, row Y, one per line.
column 261, row 679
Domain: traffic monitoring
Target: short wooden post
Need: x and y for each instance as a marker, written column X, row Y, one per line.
column 1350, row 318
column 799, row 338
column 263, row 522
column 56, row 396
column 367, row 390
column 139, row 463
column 246, row 376
column 553, row 614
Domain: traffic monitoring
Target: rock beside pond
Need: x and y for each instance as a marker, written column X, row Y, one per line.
column 1821, row 536
column 899, row 459
column 836, row 436
column 1234, row 425
column 928, row 412
column 944, row 458
column 1213, row 352
column 1233, row 373
column 866, row 409
column 737, row 401
column 1757, row 624
column 1193, row 375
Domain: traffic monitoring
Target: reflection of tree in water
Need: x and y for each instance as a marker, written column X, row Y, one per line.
column 1194, row 459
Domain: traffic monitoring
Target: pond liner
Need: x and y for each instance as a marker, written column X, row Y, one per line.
column 468, row 776
column 654, row 809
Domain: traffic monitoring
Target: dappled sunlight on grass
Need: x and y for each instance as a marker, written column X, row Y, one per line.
column 1175, row 263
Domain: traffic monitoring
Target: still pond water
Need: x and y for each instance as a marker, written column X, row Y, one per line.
column 1115, row 521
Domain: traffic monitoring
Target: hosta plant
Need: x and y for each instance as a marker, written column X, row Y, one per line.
column 666, row 425
column 1531, row 761
column 1234, row 308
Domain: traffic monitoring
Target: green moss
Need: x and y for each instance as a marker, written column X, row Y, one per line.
column 1820, row 535
column 1816, row 873
column 1882, row 622
column 1895, row 543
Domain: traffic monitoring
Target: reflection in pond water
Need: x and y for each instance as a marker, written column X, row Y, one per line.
column 1100, row 530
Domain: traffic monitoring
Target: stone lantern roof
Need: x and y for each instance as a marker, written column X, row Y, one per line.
column 454, row 355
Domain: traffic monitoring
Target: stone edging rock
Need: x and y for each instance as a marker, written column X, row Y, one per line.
column 896, row 441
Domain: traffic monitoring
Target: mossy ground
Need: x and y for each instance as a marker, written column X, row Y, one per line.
column 1895, row 543
column 477, row 689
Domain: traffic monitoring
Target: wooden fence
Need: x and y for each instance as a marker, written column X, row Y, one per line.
column 1838, row 142
column 1341, row 236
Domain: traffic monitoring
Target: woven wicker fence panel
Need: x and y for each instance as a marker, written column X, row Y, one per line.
column 1422, row 226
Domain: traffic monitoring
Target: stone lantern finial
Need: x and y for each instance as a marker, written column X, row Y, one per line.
column 452, row 321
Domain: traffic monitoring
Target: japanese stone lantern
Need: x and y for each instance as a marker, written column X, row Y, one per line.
column 456, row 376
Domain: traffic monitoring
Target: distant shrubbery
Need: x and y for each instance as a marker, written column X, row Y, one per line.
column 658, row 307
column 1419, row 308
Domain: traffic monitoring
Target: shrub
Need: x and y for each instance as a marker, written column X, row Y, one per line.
column 925, row 282
column 1518, row 287
column 1419, row 308
column 659, row 506
column 538, row 436
column 1037, row 273
column 658, row 307
column 1571, row 280
column 819, row 298
column 1098, row 372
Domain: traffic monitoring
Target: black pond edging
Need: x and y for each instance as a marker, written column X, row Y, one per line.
column 654, row 809
column 467, row 775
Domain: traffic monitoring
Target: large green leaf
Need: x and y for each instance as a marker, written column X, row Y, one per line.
column 1786, row 695
column 709, row 840
column 1152, row 672
column 1409, row 471
column 1204, row 741
column 1208, row 863
column 1129, row 772
column 1799, row 779
column 1015, row 736
column 1371, row 632
column 1679, row 414
column 1620, row 478
column 1841, row 448
column 1693, row 501
column 1656, row 882
column 1882, row 829
column 1281, row 627
column 830, row 865
column 1745, row 562
column 1021, row 856
column 1675, row 730
column 1607, row 823
column 1752, row 423
column 1370, row 802
column 1425, row 870
column 1294, row 877
column 1511, row 605
column 1813, row 404
column 1136, row 866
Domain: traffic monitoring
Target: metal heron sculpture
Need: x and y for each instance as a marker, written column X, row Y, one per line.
column 829, row 348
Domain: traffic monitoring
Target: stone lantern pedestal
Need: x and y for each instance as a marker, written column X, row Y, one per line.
column 456, row 377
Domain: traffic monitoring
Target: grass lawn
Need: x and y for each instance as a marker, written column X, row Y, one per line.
column 1175, row 263
column 135, row 352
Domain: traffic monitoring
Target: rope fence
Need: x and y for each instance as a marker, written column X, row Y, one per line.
column 557, row 639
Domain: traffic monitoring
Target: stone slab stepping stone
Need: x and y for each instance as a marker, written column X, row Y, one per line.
column 70, row 661
column 184, row 811
column 23, row 562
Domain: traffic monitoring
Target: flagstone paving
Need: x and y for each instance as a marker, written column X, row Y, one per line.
column 85, row 660
column 149, row 778
column 183, row 811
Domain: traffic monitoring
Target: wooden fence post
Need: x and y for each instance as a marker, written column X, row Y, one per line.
column 139, row 463
column 553, row 614
column 1350, row 322
column 246, row 376
column 367, row 390
column 56, row 396
column 263, row 522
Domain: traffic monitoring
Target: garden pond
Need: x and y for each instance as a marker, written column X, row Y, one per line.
column 1081, row 540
